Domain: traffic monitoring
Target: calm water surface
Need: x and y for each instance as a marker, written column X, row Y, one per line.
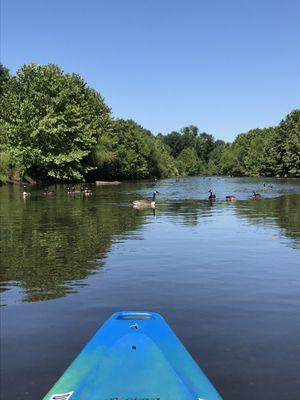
column 225, row 276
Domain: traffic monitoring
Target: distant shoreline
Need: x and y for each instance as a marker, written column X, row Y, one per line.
column 32, row 182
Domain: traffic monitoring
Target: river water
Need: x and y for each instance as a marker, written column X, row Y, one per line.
column 225, row 276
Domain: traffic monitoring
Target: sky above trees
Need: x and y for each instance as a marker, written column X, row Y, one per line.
column 226, row 67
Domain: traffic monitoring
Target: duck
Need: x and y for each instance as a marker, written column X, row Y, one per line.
column 146, row 203
column 212, row 196
column 268, row 186
column 25, row 193
column 69, row 191
column 73, row 190
column 87, row 192
column 48, row 192
column 230, row 198
column 257, row 195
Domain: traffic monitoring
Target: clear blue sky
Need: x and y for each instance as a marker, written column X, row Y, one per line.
column 224, row 65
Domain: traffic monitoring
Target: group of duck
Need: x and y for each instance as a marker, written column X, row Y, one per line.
column 83, row 190
column 142, row 203
column 212, row 198
column 70, row 192
column 230, row 198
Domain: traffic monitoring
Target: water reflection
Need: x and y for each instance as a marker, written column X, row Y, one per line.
column 187, row 212
column 282, row 212
column 225, row 275
column 51, row 245
column 47, row 244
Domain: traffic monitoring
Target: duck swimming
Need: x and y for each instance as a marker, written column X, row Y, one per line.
column 25, row 193
column 73, row 190
column 257, row 195
column 268, row 186
column 87, row 192
column 48, row 192
column 230, row 198
column 146, row 203
column 212, row 196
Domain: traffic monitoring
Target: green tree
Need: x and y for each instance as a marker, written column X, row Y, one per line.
column 52, row 121
column 254, row 157
column 270, row 165
column 174, row 142
column 229, row 164
column 129, row 151
column 5, row 160
column 180, row 144
column 288, row 144
column 188, row 136
column 53, row 126
column 187, row 162
column 204, row 145
column 266, row 152
column 4, row 77
column 4, row 166
column 216, row 154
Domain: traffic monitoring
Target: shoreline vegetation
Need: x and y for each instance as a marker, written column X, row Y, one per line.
column 55, row 128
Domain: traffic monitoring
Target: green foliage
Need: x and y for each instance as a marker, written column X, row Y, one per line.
column 187, row 162
column 4, row 77
column 214, row 158
column 54, row 127
column 4, row 166
column 194, row 153
column 52, row 121
column 174, row 143
column 204, row 145
column 288, row 144
column 129, row 151
column 265, row 152
column 212, row 168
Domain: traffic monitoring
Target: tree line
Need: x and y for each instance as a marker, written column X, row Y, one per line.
column 54, row 127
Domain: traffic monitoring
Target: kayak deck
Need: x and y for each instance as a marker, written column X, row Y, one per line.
column 133, row 356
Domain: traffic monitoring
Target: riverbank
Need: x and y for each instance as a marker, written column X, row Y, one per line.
column 29, row 181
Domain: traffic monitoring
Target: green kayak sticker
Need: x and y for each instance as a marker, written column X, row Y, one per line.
column 62, row 396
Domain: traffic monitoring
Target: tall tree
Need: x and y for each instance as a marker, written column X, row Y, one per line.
column 187, row 162
column 288, row 144
column 52, row 121
column 129, row 151
column 4, row 77
column 204, row 145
